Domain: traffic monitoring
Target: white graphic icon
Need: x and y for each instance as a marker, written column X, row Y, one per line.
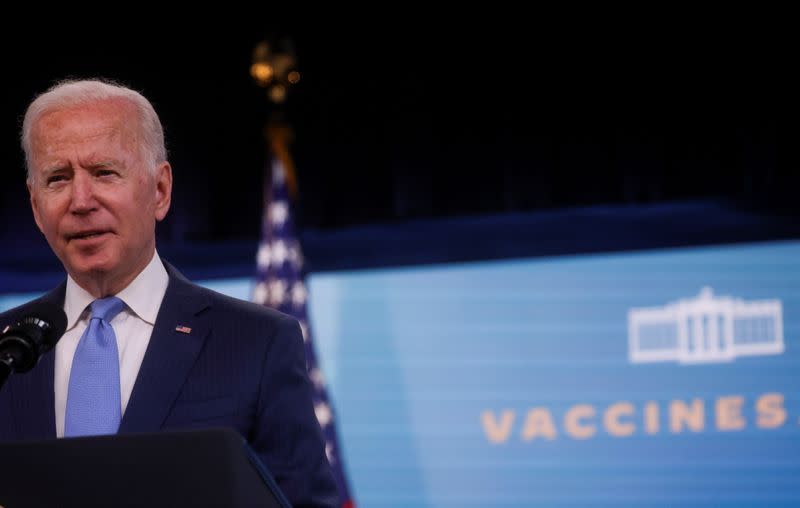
column 705, row 329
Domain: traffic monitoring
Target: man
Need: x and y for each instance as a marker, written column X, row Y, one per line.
column 145, row 349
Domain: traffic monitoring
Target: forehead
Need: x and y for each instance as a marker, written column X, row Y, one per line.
column 101, row 121
column 100, row 114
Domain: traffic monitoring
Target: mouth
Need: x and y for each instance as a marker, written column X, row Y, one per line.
column 86, row 235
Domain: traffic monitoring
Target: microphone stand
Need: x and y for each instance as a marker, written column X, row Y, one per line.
column 6, row 362
column 17, row 354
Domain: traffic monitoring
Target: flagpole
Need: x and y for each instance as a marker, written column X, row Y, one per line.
column 278, row 136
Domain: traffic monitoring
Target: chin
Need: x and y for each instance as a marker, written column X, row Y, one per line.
column 90, row 267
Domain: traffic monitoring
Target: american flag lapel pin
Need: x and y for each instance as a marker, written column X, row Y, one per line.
column 183, row 329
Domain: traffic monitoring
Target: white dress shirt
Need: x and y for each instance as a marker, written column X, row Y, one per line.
column 133, row 327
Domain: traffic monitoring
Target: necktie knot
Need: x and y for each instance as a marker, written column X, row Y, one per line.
column 106, row 308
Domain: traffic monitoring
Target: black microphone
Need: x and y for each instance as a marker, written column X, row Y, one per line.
column 22, row 344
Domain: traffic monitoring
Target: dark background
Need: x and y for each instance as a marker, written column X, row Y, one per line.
column 395, row 121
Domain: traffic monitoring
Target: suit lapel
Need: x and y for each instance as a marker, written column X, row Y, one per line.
column 33, row 395
column 170, row 355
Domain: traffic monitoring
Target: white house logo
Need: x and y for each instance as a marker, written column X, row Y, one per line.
column 705, row 329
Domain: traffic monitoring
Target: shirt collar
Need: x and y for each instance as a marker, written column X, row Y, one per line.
column 76, row 300
column 143, row 295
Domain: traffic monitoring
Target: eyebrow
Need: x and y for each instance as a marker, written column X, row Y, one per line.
column 104, row 164
column 55, row 168
column 92, row 165
column 58, row 167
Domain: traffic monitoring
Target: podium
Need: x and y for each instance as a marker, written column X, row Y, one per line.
column 209, row 467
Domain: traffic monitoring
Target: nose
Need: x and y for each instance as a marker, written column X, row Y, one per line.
column 83, row 198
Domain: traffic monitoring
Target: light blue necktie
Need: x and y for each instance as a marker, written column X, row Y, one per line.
column 93, row 400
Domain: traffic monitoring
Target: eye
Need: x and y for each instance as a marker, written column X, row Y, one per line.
column 105, row 172
column 54, row 179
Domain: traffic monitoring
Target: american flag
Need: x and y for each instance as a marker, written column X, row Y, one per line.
column 281, row 285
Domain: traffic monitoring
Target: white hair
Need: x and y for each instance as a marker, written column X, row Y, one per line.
column 71, row 93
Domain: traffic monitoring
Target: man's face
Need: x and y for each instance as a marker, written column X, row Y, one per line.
column 92, row 194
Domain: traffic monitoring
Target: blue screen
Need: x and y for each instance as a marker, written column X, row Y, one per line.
column 660, row 378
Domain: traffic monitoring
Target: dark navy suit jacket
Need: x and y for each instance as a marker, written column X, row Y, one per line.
column 241, row 366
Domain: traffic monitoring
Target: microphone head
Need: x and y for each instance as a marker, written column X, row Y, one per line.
column 22, row 344
column 51, row 320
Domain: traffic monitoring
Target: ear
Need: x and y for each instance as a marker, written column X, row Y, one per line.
column 163, row 189
column 34, row 204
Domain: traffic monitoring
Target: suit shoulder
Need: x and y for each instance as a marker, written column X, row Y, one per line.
column 53, row 297
column 11, row 316
column 243, row 309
